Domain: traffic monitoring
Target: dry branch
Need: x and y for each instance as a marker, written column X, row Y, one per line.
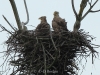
column 4, row 29
column 8, row 23
column 73, row 7
column 12, row 2
column 89, row 10
column 80, row 16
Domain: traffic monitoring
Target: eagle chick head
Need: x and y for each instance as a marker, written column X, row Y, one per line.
column 56, row 13
column 43, row 19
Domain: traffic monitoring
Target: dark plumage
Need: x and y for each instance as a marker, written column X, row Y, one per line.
column 43, row 28
column 58, row 23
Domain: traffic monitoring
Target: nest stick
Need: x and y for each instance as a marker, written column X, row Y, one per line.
column 52, row 39
column 45, row 72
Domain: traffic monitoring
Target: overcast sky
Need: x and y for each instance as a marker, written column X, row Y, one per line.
column 38, row 8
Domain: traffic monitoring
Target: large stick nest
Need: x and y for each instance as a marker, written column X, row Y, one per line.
column 43, row 54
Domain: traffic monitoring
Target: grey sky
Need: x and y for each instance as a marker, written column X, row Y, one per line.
column 39, row 8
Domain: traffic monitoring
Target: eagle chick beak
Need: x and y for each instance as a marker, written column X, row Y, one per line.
column 39, row 18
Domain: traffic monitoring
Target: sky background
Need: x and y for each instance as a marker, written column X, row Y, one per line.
column 38, row 8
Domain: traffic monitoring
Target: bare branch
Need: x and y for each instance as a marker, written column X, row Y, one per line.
column 74, row 9
column 90, row 3
column 79, row 16
column 26, row 13
column 94, row 3
column 5, row 29
column 82, row 7
column 16, row 14
column 84, row 3
column 92, row 11
column 8, row 22
column 89, row 10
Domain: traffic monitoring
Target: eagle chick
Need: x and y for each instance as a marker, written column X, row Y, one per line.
column 43, row 28
column 58, row 23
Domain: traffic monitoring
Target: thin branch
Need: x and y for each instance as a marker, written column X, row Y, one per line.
column 8, row 22
column 12, row 2
column 74, row 9
column 94, row 3
column 93, row 11
column 89, row 10
column 26, row 13
column 90, row 3
column 82, row 7
column 5, row 29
